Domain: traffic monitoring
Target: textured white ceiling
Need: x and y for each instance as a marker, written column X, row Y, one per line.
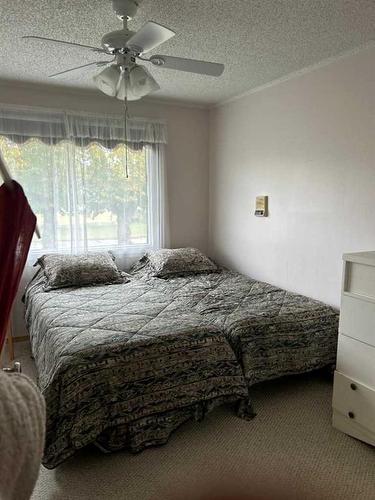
column 257, row 40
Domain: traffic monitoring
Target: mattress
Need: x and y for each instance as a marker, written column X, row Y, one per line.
column 125, row 365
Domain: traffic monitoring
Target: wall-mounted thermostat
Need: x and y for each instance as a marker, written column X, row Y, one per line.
column 261, row 206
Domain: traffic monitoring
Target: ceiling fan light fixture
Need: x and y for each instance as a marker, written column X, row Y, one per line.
column 142, row 82
column 107, row 80
column 138, row 83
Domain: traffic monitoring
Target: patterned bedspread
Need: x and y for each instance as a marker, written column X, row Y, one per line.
column 125, row 365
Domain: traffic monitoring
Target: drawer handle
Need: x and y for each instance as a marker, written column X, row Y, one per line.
column 353, row 387
column 351, row 414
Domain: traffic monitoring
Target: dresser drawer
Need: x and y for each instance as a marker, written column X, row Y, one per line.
column 355, row 402
column 357, row 319
column 356, row 360
column 360, row 279
column 349, row 426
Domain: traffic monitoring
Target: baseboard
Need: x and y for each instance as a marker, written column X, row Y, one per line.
column 23, row 338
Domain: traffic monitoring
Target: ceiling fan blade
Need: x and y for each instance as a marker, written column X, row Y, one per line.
column 97, row 63
column 189, row 65
column 53, row 40
column 150, row 36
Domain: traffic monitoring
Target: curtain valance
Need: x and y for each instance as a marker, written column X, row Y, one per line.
column 51, row 127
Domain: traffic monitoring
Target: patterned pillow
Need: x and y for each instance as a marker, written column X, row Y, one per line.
column 79, row 270
column 169, row 262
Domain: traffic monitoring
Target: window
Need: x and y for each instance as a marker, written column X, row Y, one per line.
column 81, row 195
column 93, row 205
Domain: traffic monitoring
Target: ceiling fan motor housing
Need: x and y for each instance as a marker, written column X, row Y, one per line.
column 116, row 40
column 125, row 9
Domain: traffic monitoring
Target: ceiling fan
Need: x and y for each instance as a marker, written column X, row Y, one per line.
column 123, row 77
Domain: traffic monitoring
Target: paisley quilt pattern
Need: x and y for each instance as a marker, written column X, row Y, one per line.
column 124, row 365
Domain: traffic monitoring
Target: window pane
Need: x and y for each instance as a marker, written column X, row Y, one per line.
column 115, row 207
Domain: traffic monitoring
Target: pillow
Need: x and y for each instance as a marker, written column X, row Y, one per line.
column 168, row 262
column 79, row 270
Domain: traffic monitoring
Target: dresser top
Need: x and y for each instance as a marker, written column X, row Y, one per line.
column 360, row 257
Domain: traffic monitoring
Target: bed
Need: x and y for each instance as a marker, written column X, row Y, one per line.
column 273, row 332
column 123, row 365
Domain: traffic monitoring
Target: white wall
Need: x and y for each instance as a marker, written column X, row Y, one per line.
column 308, row 143
column 186, row 152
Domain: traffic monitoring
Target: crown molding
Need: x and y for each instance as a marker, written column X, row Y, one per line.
column 297, row 74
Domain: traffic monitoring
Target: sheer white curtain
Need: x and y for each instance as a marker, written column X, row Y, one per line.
column 159, row 194
column 73, row 170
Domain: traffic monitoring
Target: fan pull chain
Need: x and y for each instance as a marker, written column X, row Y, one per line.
column 126, row 127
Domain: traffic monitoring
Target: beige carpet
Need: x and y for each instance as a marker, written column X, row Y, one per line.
column 290, row 445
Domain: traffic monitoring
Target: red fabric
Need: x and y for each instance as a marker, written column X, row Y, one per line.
column 17, row 225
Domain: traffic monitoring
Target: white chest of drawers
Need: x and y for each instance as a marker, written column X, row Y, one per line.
column 354, row 383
